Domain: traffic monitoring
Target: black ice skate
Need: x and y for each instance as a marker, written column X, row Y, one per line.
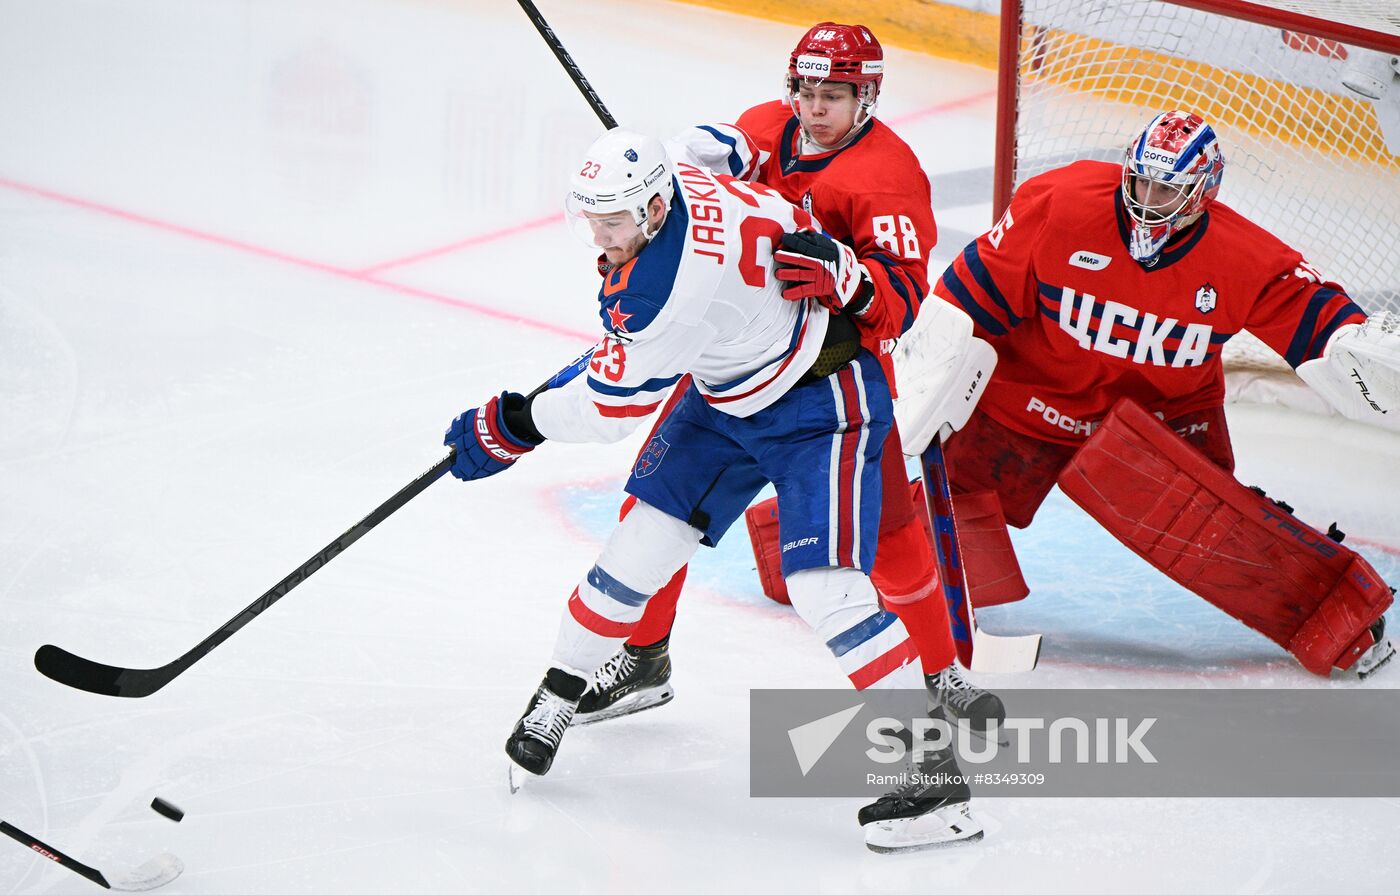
column 637, row 678
column 932, row 809
column 535, row 739
column 964, row 701
column 1374, row 658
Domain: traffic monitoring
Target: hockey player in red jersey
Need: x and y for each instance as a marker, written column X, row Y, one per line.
column 1108, row 292
column 823, row 149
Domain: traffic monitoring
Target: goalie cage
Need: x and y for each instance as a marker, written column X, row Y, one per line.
column 1307, row 157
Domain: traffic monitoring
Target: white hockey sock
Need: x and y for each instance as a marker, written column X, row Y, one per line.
column 642, row 554
column 871, row 645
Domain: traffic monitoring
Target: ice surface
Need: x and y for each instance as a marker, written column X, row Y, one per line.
column 226, row 333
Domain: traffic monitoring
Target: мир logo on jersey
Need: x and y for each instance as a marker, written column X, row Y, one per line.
column 1205, row 299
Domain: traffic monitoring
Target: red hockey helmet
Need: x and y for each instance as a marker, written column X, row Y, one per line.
column 847, row 54
column 832, row 52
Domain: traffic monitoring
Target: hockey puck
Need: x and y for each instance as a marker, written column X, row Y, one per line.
column 165, row 809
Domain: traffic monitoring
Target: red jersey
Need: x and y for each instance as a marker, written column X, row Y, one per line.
column 1078, row 323
column 871, row 195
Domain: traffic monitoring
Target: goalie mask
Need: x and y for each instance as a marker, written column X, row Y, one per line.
column 846, row 54
column 1171, row 172
column 621, row 171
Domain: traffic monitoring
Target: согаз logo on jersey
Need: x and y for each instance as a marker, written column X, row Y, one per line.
column 1205, row 299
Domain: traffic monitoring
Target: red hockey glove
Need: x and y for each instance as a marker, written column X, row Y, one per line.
column 819, row 267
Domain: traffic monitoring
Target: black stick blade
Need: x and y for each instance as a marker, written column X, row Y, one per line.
column 73, row 671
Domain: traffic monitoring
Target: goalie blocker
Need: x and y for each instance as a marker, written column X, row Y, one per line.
column 1232, row 546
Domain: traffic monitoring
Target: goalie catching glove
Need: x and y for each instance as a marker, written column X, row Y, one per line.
column 1359, row 372
column 817, row 266
column 490, row 438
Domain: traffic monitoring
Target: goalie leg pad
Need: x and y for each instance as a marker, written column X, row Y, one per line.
column 762, row 522
column 987, row 456
column 1207, row 431
column 1231, row 546
column 989, row 561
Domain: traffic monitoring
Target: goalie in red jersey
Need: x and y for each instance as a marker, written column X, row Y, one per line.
column 1108, row 292
column 822, row 148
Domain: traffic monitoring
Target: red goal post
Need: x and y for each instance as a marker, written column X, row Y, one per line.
column 1307, row 156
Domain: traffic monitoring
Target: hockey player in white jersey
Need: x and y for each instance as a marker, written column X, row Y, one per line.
column 778, row 391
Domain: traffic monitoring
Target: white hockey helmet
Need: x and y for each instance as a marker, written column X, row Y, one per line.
column 1178, row 155
column 621, row 171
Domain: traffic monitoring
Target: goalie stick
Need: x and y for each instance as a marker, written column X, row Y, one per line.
column 977, row 649
column 154, row 873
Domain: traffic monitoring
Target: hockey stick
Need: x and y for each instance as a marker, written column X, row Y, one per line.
column 74, row 671
column 109, row 680
column 977, row 649
column 552, row 40
column 154, row 873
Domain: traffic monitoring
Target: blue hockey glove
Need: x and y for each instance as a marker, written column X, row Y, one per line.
column 485, row 444
column 816, row 266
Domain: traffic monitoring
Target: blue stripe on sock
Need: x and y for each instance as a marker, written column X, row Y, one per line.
column 862, row 631
column 610, row 586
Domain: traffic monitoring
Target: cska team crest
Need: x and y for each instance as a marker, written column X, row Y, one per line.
column 1205, row 299
column 651, row 456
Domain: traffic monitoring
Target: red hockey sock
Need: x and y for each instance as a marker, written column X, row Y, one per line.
column 927, row 623
column 906, row 575
column 660, row 613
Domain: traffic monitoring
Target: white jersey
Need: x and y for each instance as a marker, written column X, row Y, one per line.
column 700, row 298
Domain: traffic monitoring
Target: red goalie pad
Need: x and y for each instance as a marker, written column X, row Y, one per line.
column 1233, row 547
column 762, row 520
column 989, row 562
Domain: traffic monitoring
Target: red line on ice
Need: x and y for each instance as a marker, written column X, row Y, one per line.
column 467, row 243
column 360, row 276
column 950, row 106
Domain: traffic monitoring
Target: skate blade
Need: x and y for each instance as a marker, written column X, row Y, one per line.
column 516, row 777
column 630, row 704
column 949, row 826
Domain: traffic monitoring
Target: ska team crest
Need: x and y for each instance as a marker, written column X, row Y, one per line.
column 651, row 457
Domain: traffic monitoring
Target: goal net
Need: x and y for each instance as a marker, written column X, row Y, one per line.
column 1302, row 93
